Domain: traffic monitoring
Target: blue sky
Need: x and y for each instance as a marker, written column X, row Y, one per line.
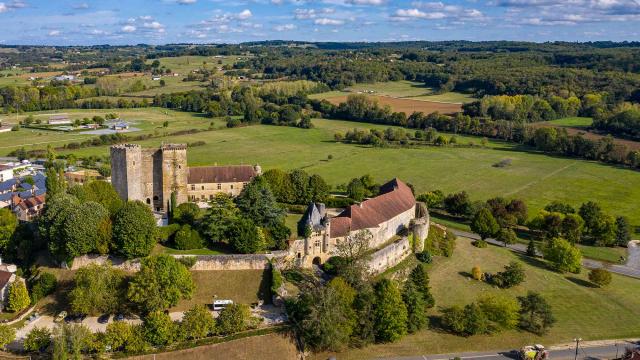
column 85, row 22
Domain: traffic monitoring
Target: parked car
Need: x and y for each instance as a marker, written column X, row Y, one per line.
column 118, row 317
column 103, row 319
column 60, row 317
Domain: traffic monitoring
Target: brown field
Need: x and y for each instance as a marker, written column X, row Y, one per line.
column 407, row 106
column 630, row 144
column 266, row 347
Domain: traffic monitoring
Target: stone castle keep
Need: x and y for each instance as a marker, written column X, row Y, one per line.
column 152, row 175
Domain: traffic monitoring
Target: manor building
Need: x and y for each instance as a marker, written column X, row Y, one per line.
column 393, row 213
column 152, row 175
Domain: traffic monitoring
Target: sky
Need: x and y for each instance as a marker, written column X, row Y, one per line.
column 121, row 22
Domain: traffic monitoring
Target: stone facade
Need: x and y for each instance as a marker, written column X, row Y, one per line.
column 152, row 175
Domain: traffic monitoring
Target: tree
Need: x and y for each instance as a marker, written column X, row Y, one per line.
column 623, row 230
column 390, row 313
column 353, row 251
column 98, row 289
column 507, row 236
column 8, row 225
column 531, row 248
column 118, row 334
column 476, row 320
column 318, row 188
column 52, row 221
column 356, row 190
column 187, row 213
column 535, row 313
column 501, row 310
column 512, row 275
column 476, row 273
column 600, row 277
column 219, row 217
column 197, row 323
column 563, row 255
column 70, row 341
column 233, row 319
column 158, row 328
column 103, row 193
column 245, row 237
column 86, row 229
column 7, row 335
column 484, row 224
column 458, row 203
column 38, row 339
column 18, row 296
column 187, row 238
column 161, row 282
column 453, row 319
column 256, row 202
column 416, row 307
column 45, row 284
column 299, row 182
column 134, row 230
column 420, row 279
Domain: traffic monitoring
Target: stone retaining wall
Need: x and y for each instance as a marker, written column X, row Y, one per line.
column 390, row 256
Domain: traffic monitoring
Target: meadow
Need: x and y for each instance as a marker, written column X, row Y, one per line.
column 536, row 178
column 580, row 309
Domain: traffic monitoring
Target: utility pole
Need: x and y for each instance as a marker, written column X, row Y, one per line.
column 577, row 345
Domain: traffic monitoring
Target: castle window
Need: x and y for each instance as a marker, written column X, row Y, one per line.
column 193, row 187
column 219, row 186
column 155, row 198
column 201, row 197
column 317, row 243
column 231, row 186
column 210, row 197
column 202, row 187
column 134, row 163
column 148, row 201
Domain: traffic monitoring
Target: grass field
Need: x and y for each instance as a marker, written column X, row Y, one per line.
column 575, row 122
column 241, row 286
column 536, row 178
column 581, row 310
column 408, row 106
column 400, row 89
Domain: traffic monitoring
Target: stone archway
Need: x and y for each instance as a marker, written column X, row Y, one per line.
column 317, row 261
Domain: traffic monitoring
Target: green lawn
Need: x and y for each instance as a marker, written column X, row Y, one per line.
column 292, row 223
column 606, row 254
column 400, row 89
column 581, row 310
column 575, row 122
column 536, row 178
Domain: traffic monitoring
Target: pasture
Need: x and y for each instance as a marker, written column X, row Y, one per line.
column 536, row 178
column 580, row 309
column 408, row 106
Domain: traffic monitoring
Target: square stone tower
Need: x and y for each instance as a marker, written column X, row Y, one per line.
column 150, row 175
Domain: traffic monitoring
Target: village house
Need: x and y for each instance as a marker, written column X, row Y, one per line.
column 29, row 208
column 82, row 176
column 207, row 181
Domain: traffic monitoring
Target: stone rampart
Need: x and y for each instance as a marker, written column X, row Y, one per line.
column 390, row 256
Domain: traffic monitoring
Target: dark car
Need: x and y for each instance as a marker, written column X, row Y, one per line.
column 118, row 317
column 79, row 318
column 103, row 319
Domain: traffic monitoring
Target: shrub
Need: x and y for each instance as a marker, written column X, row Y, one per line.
column 188, row 261
column 501, row 310
column 481, row 244
column 334, row 265
column 276, row 279
column 165, row 233
column 440, row 242
column 158, row 328
column 424, row 257
column 7, row 335
column 38, row 339
column 339, row 202
column 600, row 277
column 512, row 275
column 233, row 319
column 453, row 319
column 18, row 296
column 187, row 238
column 43, row 285
column 467, row 321
column 563, row 255
column 476, row 273
column 535, row 313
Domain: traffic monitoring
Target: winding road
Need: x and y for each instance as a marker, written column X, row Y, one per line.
column 631, row 268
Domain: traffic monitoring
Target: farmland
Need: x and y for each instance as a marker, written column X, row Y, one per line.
column 536, row 178
column 593, row 313
column 408, row 106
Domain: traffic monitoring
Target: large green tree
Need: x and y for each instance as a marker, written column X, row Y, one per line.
column 8, row 225
column 256, row 202
column 159, row 329
column 416, row 307
column 98, row 289
column 390, row 312
column 87, row 229
column 245, row 237
column 52, row 222
column 484, row 224
column 219, row 217
column 7, row 335
column 536, row 315
column 18, row 296
column 161, row 282
column 134, row 230
column 198, row 323
column 563, row 255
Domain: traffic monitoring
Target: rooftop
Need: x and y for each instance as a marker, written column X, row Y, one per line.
column 221, row 174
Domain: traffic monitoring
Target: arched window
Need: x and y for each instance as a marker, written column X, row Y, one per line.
column 148, row 201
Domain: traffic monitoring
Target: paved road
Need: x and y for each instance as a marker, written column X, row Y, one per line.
column 588, row 263
column 566, row 353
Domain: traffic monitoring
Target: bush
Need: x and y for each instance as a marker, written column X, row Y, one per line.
column 38, row 339
column 424, row 257
column 339, row 202
column 512, row 275
column 276, row 279
column 165, row 233
column 440, row 242
column 18, row 296
column 476, row 273
column 187, row 239
column 43, row 285
column 481, row 244
column 600, row 277
column 233, row 319
column 188, row 261
column 501, row 310
column 467, row 321
column 334, row 265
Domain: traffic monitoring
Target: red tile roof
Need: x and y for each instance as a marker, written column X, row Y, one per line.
column 395, row 198
column 5, row 276
column 221, row 174
column 31, row 202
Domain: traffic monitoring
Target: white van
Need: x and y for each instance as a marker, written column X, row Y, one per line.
column 221, row 304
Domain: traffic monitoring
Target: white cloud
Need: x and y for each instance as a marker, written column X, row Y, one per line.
column 244, row 14
column 418, row 14
column 366, row 2
column 3, row 7
column 128, row 28
column 54, row 33
column 153, row 25
column 327, row 21
column 81, row 6
column 186, row 2
column 285, row 27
